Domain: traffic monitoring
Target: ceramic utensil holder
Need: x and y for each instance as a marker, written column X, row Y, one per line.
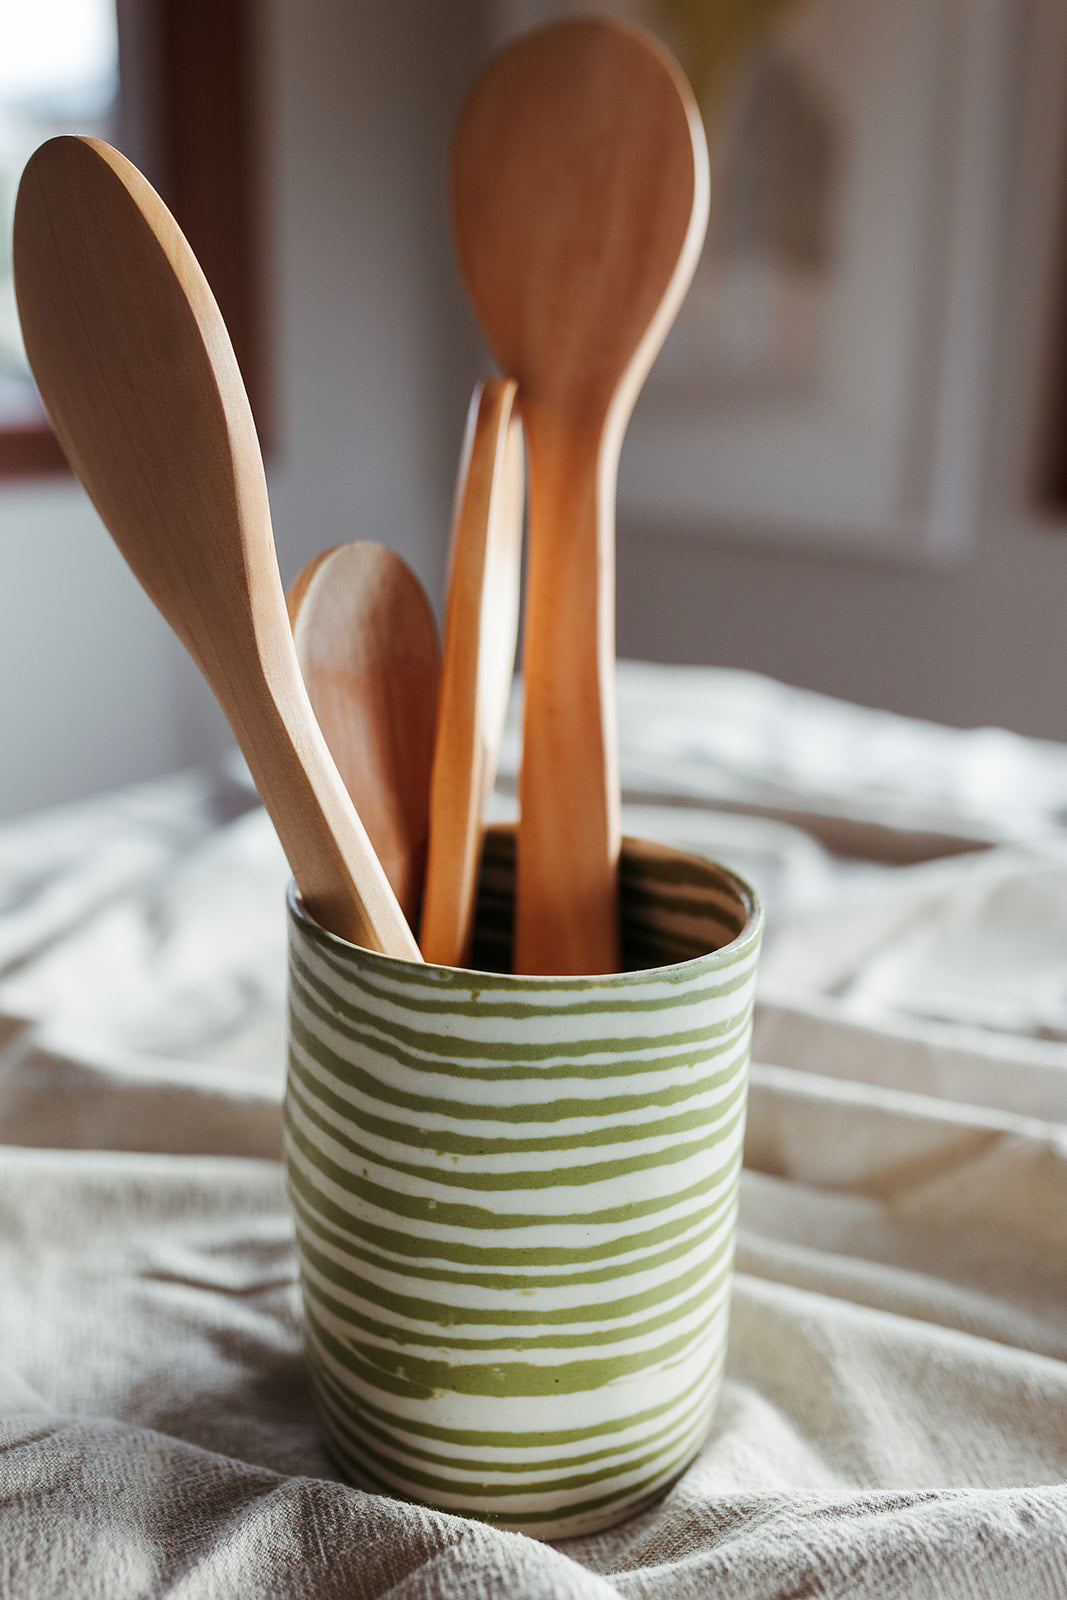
column 515, row 1200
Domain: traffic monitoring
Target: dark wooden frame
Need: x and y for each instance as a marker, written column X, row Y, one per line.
column 200, row 97
column 1050, row 469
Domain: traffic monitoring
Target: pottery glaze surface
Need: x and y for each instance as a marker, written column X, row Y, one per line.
column 515, row 1200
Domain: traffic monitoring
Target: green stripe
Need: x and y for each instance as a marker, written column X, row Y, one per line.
column 662, row 919
column 678, row 988
column 355, row 1419
column 439, row 1340
column 678, row 870
column 476, row 1484
column 378, row 1085
column 514, row 1282
column 669, row 945
column 668, row 896
column 661, row 1053
column 497, row 1439
column 421, row 1378
column 439, row 1314
column 416, row 1245
column 523, row 1178
column 495, row 995
column 412, row 1045
column 449, row 1214
column 633, row 1500
column 445, row 1141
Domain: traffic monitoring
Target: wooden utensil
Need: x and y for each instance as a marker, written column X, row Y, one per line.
column 579, row 189
column 139, row 378
column 481, row 625
column 366, row 641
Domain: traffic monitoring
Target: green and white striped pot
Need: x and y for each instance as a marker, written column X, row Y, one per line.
column 515, row 1200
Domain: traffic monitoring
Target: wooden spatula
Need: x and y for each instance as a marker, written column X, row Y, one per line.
column 481, row 623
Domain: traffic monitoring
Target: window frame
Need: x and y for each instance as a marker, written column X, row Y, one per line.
column 189, row 67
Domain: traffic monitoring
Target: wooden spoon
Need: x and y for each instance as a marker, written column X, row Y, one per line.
column 366, row 640
column 481, row 625
column 579, row 190
column 139, row 378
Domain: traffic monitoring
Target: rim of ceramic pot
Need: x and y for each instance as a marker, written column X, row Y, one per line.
column 748, row 935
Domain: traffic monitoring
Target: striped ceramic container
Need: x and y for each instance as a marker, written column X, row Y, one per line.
column 515, row 1201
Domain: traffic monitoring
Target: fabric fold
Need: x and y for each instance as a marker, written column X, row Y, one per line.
column 893, row 1423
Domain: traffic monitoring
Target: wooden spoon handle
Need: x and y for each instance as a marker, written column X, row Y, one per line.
column 566, row 910
column 336, row 869
column 481, row 624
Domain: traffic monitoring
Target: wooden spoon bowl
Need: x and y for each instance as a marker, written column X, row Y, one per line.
column 366, row 640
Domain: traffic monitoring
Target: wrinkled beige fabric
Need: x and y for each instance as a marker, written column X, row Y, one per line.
column 894, row 1421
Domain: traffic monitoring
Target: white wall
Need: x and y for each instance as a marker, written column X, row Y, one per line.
column 375, row 345
column 94, row 688
column 982, row 641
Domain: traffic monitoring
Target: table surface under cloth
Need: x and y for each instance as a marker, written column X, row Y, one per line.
column 894, row 1420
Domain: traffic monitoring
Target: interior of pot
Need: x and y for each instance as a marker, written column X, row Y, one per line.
column 674, row 906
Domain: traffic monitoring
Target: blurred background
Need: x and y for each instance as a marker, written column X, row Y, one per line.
column 848, row 468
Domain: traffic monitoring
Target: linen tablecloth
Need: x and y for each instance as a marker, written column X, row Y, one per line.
column 894, row 1420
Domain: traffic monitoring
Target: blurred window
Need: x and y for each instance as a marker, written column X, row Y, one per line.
column 169, row 82
column 59, row 73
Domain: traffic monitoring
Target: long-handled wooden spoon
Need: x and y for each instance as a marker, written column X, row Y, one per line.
column 481, row 624
column 139, row 378
column 366, row 640
column 579, row 189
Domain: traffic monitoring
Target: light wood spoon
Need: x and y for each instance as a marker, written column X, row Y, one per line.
column 481, row 626
column 366, row 640
column 579, row 190
column 139, row 378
